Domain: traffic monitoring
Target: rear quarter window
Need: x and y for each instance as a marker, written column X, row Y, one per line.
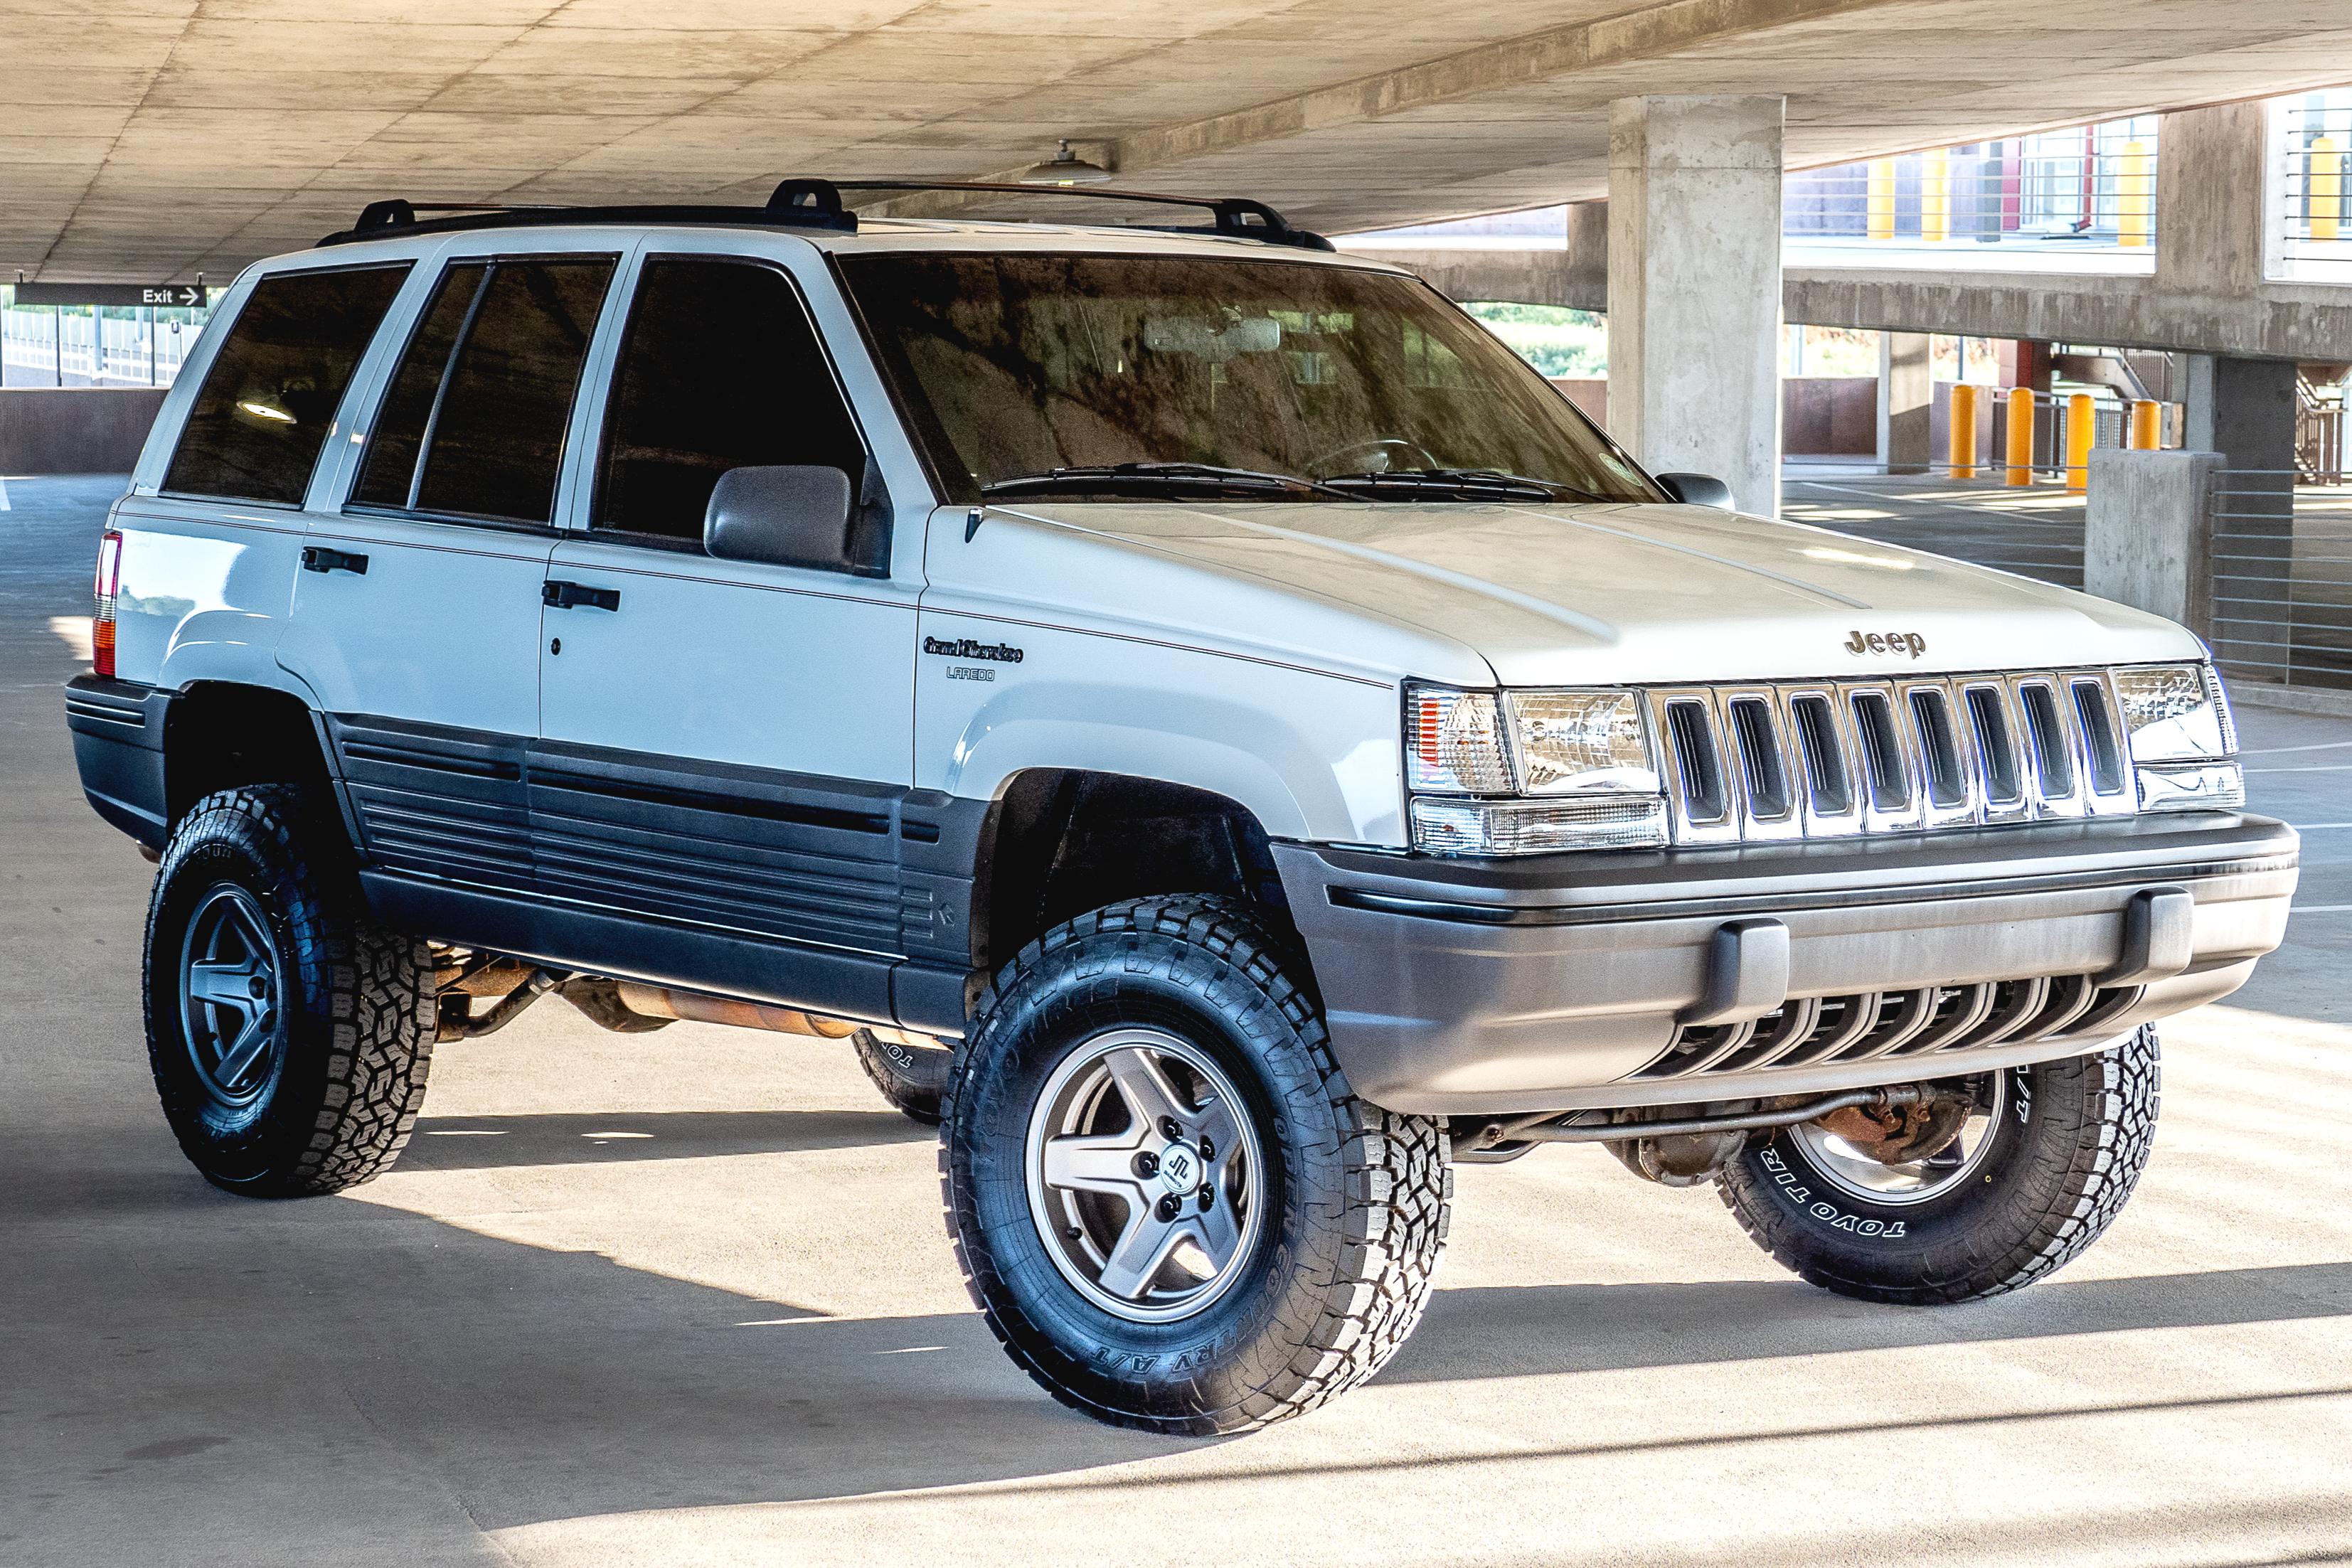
column 263, row 412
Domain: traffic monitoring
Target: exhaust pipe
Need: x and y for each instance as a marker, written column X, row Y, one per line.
column 664, row 1001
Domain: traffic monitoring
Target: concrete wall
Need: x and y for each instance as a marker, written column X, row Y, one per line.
column 1821, row 416
column 1829, row 416
column 1589, row 393
column 75, row 430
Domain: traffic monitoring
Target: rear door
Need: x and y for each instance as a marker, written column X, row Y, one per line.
column 417, row 614
column 726, row 745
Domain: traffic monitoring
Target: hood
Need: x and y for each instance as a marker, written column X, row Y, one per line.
column 1606, row 594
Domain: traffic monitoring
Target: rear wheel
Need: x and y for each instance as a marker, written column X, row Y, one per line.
column 1173, row 1211
column 288, row 1036
column 2034, row 1172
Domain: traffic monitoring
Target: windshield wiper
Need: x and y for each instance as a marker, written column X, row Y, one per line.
column 1480, row 484
column 1194, row 478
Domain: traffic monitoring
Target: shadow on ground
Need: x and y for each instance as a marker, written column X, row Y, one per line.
column 482, row 1143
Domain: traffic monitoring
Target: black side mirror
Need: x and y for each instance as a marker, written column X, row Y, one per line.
column 1696, row 489
column 788, row 515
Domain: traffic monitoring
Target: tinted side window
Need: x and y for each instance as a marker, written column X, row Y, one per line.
column 261, row 416
column 474, row 424
column 389, row 478
column 720, row 368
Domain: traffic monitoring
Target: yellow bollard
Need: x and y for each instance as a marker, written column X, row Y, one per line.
column 2325, row 182
column 2135, row 195
column 2146, row 425
column 1935, row 196
column 1879, row 200
column 2020, row 435
column 2082, row 429
column 1963, row 421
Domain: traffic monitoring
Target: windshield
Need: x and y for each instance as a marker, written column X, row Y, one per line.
column 1146, row 376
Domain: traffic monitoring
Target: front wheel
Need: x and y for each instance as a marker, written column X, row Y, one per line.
column 911, row 1077
column 2036, row 1170
column 1168, row 1203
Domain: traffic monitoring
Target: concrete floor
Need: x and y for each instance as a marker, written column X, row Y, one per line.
column 686, row 1298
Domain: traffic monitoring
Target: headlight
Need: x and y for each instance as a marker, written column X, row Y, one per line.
column 1570, row 742
column 2183, row 743
column 1584, row 755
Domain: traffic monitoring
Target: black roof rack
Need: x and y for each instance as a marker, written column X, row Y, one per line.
column 1236, row 217
column 803, row 204
column 796, row 203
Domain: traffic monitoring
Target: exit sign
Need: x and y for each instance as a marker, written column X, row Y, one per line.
column 179, row 295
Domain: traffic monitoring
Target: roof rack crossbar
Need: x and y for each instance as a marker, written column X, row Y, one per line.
column 798, row 203
column 1232, row 215
column 808, row 204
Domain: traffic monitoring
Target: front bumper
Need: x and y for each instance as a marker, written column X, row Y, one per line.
column 1463, row 987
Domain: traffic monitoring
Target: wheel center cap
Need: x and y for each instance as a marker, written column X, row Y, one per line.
column 1179, row 1168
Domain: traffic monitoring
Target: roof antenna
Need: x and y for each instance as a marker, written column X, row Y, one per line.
column 1065, row 168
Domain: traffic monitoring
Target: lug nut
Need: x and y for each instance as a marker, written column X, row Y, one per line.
column 1208, row 1199
column 1208, row 1149
column 1169, row 1208
column 1147, row 1163
column 1169, row 1129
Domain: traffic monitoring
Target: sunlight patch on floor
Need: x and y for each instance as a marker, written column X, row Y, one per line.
column 73, row 630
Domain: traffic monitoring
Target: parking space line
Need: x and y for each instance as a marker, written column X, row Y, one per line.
column 4, row 495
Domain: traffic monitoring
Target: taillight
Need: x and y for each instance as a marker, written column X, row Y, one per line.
column 102, row 622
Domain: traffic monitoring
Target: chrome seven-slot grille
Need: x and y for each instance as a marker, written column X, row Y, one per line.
column 1823, row 759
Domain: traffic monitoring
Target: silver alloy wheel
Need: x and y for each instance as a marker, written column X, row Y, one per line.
column 1144, row 1173
column 229, row 995
column 1914, row 1181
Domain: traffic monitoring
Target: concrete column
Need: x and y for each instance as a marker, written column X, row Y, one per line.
column 2244, row 410
column 2209, row 174
column 1588, row 255
column 1695, row 288
column 1907, row 399
column 2147, row 532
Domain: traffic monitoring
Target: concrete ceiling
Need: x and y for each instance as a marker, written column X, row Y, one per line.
column 152, row 139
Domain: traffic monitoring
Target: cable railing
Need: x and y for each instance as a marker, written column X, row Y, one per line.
column 2282, row 580
column 2089, row 188
column 2312, row 144
column 42, row 346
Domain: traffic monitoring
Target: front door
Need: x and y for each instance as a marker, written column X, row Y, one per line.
column 726, row 746
column 417, row 617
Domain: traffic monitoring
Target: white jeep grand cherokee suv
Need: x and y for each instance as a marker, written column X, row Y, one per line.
column 1210, row 727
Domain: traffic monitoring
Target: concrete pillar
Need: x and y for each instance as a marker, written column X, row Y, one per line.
column 1695, row 288
column 2210, row 235
column 1907, row 401
column 2148, row 530
column 1588, row 255
column 2244, row 410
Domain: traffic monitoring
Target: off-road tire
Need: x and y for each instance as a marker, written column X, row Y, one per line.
column 2074, row 1137
column 911, row 1077
column 354, row 1031
column 1358, row 1198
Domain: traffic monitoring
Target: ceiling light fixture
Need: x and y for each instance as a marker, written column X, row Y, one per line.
column 1065, row 168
